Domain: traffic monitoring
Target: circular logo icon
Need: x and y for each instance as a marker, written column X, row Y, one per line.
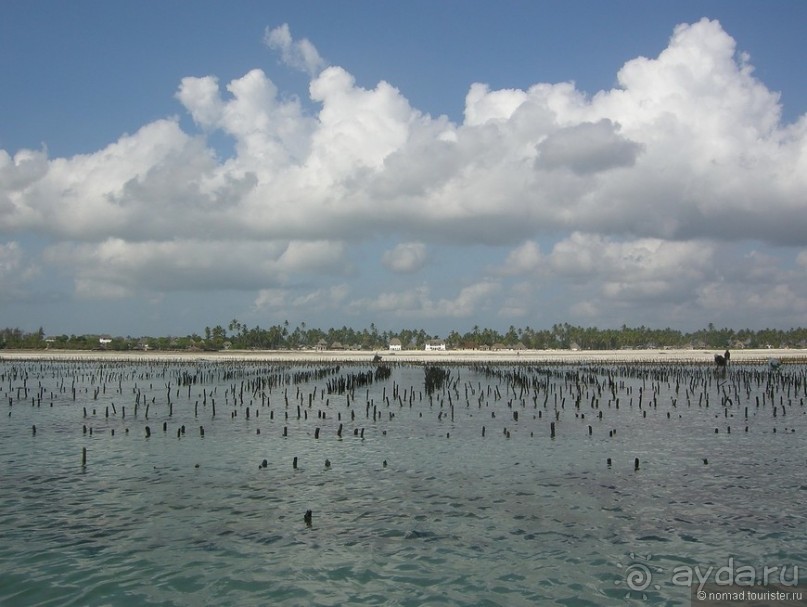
column 638, row 577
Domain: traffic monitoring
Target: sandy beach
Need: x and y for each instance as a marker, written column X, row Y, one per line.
column 420, row 356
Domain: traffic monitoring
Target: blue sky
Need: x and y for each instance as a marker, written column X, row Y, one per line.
column 166, row 166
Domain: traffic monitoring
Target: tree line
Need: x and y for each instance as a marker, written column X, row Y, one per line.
column 282, row 337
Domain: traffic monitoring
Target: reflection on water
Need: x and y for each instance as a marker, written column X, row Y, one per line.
column 458, row 497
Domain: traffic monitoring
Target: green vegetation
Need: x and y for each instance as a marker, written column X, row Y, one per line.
column 281, row 337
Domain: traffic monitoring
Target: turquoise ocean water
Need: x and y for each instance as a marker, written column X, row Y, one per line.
column 428, row 499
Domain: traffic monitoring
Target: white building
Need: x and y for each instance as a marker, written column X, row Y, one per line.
column 435, row 344
column 395, row 344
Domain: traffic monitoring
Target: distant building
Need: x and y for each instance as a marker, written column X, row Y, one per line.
column 105, row 340
column 395, row 344
column 435, row 344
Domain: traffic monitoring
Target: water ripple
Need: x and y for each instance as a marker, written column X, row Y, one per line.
column 406, row 518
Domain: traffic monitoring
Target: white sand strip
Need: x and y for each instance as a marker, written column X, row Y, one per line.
column 417, row 356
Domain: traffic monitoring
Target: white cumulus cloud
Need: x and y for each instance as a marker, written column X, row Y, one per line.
column 405, row 258
column 640, row 187
column 298, row 54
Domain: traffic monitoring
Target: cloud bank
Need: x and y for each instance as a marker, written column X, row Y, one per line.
column 638, row 195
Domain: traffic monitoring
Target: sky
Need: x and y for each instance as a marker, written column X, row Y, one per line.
column 168, row 166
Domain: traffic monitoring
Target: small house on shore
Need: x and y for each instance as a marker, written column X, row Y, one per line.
column 435, row 344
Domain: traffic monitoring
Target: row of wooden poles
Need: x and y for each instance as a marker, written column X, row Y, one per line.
column 546, row 389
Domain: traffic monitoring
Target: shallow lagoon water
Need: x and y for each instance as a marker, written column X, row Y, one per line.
column 421, row 510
